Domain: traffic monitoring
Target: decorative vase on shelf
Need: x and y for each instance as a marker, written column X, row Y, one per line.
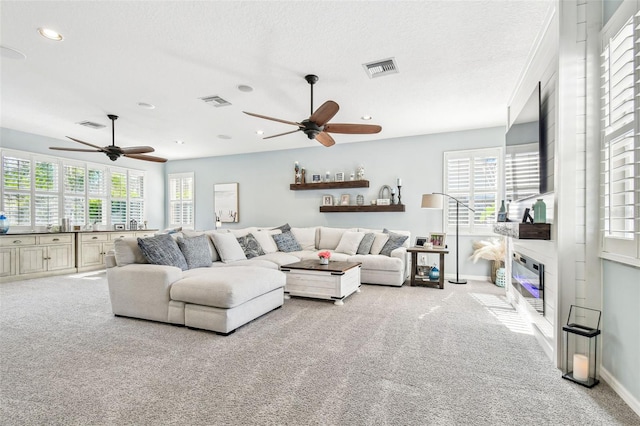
column 324, row 261
column 360, row 200
column 540, row 212
column 4, row 224
column 434, row 274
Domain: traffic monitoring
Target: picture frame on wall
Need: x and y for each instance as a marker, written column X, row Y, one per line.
column 340, row 177
column 438, row 239
column 327, row 200
column 345, row 199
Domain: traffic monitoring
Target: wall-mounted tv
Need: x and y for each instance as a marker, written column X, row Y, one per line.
column 526, row 151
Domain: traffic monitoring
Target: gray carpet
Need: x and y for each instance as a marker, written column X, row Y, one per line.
column 401, row 356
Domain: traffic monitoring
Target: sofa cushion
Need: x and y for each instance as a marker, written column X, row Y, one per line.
column 378, row 262
column 241, row 232
column 330, row 237
column 306, row 237
column 250, row 246
column 162, row 250
column 350, row 242
column 379, row 242
column 286, row 242
column 226, row 287
column 228, row 247
column 126, row 251
column 195, row 251
column 278, row 258
column 394, row 241
column 212, row 249
column 366, row 243
column 266, row 241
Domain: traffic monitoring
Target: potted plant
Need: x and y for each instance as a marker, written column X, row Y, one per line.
column 493, row 250
column 324, row 257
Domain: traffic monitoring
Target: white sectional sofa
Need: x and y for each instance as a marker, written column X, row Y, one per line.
column 228, row 289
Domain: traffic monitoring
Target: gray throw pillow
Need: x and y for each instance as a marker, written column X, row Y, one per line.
column 394, row 241
column 284, row 228
column 250, row 246
column 195, row 251
column 286, row 242
column 162, row 250
column 366, row 243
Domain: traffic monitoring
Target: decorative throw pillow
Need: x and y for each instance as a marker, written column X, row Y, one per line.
column 394, row 241
column 350, row 242
column 366, row 243
column 162, row 250
column 306, row 237
column 263, row 236
column 195, row 251
column 228, row 247
column 212, row 249
column 127, row 251
column 250, row 246
column 379, row 242
column 330, row 237
column 284, row 228
column 286, row 242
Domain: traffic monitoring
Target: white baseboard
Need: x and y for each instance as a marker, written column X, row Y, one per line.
column 452, row 276
column 620, row 390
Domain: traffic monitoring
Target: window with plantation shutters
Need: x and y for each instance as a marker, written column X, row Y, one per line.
column 38, row 190
column 181, row 200
column 620, row 156
column 473, row 178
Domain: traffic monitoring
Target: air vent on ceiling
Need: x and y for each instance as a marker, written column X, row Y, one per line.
column 216, row 101
column 91, row 124
column 380, row 68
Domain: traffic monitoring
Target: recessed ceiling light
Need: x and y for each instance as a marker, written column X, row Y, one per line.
column 366, row 117
column 224, row 137
column 50, row 34
column 259, row 132
column 146, row 105
column 10, row 53
column 179, row 142
column 245, row 88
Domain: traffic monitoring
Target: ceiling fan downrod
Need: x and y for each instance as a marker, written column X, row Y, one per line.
column 311, row 79
column 113, row 119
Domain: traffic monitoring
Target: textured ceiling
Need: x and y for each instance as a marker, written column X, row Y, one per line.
column 459, row 61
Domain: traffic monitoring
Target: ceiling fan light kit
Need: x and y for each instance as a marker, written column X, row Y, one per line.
column 112, row 151
column 317, row 125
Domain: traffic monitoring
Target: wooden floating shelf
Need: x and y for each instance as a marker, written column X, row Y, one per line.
column 362, row 209
column 524, row 231
column 329, row 185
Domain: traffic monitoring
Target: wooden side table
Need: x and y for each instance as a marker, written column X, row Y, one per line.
column 424, row 281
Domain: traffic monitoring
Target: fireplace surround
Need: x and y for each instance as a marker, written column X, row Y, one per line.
column 527, row 277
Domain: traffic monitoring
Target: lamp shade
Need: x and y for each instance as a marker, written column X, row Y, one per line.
column 432, row 201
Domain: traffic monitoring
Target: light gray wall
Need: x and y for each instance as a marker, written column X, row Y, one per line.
column 608, row 9
column 266, row 200
column 621, row 324
column 13, row 139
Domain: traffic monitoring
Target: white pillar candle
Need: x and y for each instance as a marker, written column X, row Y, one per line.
column 399, row 182
column 580, row 367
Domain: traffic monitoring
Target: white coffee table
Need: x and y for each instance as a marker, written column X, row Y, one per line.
column 335, row 281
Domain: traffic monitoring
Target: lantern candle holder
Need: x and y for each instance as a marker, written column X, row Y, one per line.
column 583, row 323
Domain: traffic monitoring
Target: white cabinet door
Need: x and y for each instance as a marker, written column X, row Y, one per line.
column 7, row 262
column 59, row 257
column 32, row 259
column 92, row 254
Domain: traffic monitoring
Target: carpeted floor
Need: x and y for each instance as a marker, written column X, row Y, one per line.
column 400, row 356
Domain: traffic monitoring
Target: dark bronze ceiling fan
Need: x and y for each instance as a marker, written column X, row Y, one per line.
column 317, row 126
column 114, row 152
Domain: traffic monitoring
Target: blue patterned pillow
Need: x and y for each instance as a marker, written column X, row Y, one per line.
column 366, row 243
column 195, row 251
column 284, row 228
column 394, row 241
column 250, row 246
column 286, row 242
column 162, row 250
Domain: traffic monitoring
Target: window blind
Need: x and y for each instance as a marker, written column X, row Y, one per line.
column 181, row 199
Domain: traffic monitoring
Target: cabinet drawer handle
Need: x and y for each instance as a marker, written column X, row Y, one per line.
column 56, row 239
column 17, row 242
column 94, row 238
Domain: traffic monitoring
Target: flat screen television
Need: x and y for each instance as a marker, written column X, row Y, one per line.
column 526, row 151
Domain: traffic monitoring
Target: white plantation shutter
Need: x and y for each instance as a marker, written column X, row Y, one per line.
column 473, row 178
column 181, row 200
column 136, row 196
column 97, row 195
column 46, row 205
column 74, row 183
column 620, row 156
column 16, row 190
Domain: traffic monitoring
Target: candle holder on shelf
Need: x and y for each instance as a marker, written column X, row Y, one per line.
column 399, row 195
column 582, row 323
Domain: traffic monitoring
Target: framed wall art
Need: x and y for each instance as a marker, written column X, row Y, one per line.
column 226, row 202
column 327, row 200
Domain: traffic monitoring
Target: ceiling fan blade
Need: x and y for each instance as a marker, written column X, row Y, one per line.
column 352, row 128
column 75, row 149
column 137, row 150
column 324, row 113
column 274, row 119
column 325, row 139
column 282, row 134
column 146, row 158
column 86, row 143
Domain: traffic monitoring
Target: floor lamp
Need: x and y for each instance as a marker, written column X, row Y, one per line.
column 434, row 201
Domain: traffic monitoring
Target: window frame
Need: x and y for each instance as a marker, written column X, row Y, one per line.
column 475, row 227
column 181, row 201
